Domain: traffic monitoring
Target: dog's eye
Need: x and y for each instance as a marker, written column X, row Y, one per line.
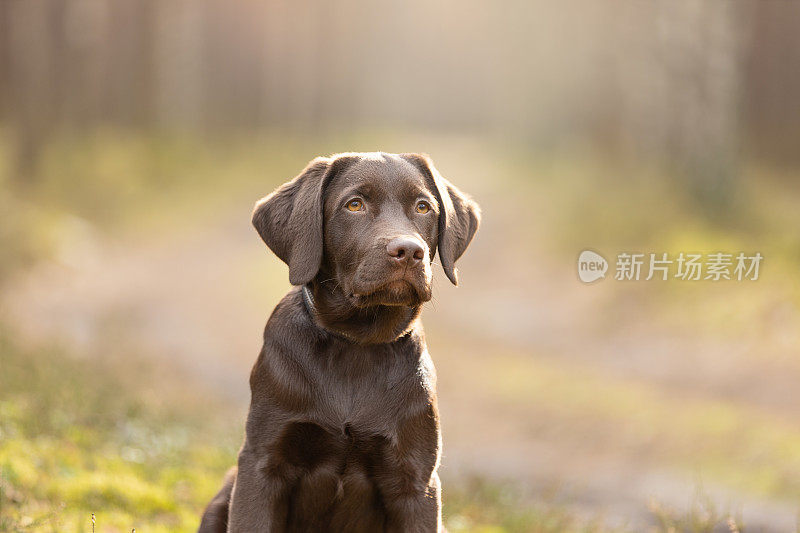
column 355, row 205
column 423, row 207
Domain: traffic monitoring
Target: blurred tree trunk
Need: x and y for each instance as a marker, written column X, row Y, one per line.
column 30, row 81
column 702, row 58
column 680, row 82
column 772, row 82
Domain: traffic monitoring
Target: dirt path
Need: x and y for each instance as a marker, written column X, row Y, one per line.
column 200, row 297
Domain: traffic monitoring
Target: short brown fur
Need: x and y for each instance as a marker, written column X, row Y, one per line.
column 343, row 428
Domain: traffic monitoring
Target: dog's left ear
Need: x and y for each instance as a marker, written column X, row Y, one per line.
column 459, row 215
column 290, row 219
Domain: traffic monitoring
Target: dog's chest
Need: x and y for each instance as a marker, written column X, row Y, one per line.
column 345, row 448
column 335, row 477
column 371, row 393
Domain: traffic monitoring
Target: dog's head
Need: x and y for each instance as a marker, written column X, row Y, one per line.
column 372, row 222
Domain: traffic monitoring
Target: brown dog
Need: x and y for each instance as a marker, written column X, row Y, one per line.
column 343, row 428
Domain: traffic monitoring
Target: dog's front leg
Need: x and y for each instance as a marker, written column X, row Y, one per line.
column 260, row 500
column 408, row 482
column 417, row 512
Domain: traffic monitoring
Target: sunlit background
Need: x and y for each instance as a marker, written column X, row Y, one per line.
column 136, row 136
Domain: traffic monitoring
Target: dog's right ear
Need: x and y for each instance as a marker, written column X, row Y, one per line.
column 290, row 219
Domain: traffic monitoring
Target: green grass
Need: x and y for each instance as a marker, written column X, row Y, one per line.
column 702, row 517
column 479, row 506
column 82, row 436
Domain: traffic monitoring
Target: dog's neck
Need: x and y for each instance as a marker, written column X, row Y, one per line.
column 379, row 324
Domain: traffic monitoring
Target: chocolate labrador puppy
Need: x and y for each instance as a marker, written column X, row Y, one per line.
column 343, row 428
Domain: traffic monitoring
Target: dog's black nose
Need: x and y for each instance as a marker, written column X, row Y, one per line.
column 406, row 250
